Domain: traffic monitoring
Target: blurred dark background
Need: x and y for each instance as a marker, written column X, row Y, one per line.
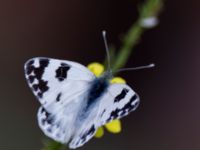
column 168, row 117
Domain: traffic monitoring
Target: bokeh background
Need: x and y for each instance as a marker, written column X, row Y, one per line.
column 169, row 115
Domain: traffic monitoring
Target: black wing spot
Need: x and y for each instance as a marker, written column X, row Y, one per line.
column 37, row 74
column 49, row 129
column 40, row 70
column 43, row 110
column 42, row 86
column 39, row 95
column 31, row 78
column 103, row 112
column 121, row 95
column 35, row 87
column 30, row 62
column 129, row 106
column 117, row 113
column 89, row 132
column 29, row 67
column 48, row 117
column 61, row 72
column 58, row 97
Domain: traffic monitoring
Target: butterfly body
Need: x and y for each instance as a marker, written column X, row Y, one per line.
column 98, row 87
column 74, row 102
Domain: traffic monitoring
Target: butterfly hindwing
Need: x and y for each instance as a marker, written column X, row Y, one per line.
column 59, row 124
column 86, row 129
column 83, row 137
column 53, row 125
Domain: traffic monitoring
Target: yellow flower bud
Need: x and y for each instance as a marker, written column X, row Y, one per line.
column 114, row 126
column 100, row 132
column 118, row 80
column 96, row 68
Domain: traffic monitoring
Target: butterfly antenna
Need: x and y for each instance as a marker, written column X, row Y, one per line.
column 107, row 50
column 137, row 68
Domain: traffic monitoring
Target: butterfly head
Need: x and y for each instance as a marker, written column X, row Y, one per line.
column 107, row 75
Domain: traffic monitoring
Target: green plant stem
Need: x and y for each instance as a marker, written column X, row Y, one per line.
column 151, row 8
column 130, row 40
column 53, row 145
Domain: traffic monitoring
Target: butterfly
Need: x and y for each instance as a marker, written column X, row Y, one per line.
column 74, row 102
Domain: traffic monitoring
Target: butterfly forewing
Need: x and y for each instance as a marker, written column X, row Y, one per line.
column 48, row 77
column 117, row 102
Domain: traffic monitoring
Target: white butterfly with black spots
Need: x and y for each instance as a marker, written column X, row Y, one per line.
column 74, row 102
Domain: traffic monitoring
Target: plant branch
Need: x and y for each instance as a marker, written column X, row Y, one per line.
column 148, row 13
